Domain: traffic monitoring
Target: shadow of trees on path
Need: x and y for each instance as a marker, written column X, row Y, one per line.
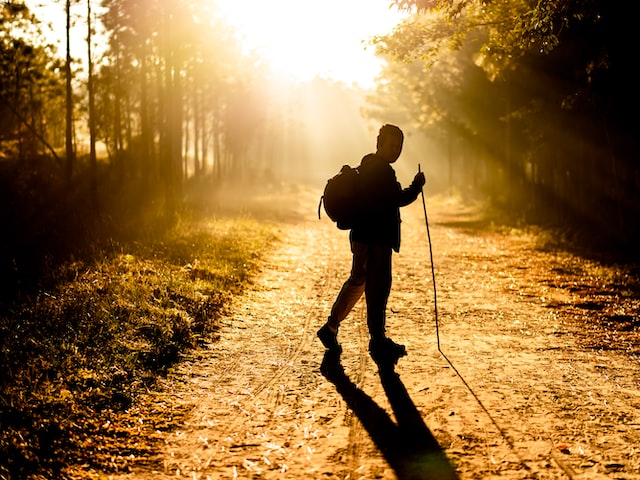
column 408, row 445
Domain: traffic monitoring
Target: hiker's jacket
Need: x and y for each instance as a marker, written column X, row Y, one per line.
column 383, row 196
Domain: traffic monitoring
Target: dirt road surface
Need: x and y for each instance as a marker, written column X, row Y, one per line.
column 528, row 382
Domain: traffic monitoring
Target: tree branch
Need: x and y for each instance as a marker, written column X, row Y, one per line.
column 31, row 129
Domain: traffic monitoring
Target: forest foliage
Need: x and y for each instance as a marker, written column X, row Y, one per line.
column 533, row 102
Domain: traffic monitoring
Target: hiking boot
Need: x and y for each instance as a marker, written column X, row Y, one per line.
column 329, row 339
column 385, row 350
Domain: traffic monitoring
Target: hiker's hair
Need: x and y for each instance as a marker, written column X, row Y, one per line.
column 388, row 130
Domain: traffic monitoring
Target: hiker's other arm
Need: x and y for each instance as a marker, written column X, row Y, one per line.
column 410, row 193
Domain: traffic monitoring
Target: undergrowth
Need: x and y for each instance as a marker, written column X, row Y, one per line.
column 77, row 353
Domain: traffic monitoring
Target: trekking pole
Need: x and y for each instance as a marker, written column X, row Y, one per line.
column 433, row 273
column 435, row 307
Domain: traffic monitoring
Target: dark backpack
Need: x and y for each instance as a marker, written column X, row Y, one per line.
column 342, row 198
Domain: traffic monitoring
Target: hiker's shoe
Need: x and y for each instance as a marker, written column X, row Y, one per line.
column 385, row 350
column 329, row 339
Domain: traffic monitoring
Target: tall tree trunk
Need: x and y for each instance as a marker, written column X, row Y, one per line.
column 16, row 102
column 69, row 99
column 196, row 133
column 129, row 168
column 148, row 173
column 204, row 140
column 186, row 135
column 176, row 127
column 92, row 115
column 169, row 147
column 117, row 110
column 217, row 149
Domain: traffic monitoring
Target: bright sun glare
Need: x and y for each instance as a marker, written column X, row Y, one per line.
column 298, row 38
column 305, row 39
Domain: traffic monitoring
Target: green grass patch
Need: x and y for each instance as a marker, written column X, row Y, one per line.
column 75, row 356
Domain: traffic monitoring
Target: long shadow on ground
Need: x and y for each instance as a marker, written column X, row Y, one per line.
column 408, row 445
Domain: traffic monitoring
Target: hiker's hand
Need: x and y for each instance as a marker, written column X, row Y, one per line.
column 419, row 179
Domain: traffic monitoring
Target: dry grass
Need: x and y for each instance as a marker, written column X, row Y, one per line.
column 75, row 355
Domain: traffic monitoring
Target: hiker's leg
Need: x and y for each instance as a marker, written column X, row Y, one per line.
column 377, row 288
column 353, row 288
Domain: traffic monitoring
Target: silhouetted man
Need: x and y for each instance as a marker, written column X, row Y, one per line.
column 372, row 239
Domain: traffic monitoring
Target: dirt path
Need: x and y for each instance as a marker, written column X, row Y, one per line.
column 541, row 399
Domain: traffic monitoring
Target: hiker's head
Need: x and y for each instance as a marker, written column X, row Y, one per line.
column 389, row 143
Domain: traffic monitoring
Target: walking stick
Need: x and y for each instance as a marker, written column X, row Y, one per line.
column 433, row 273
column 435, row 307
